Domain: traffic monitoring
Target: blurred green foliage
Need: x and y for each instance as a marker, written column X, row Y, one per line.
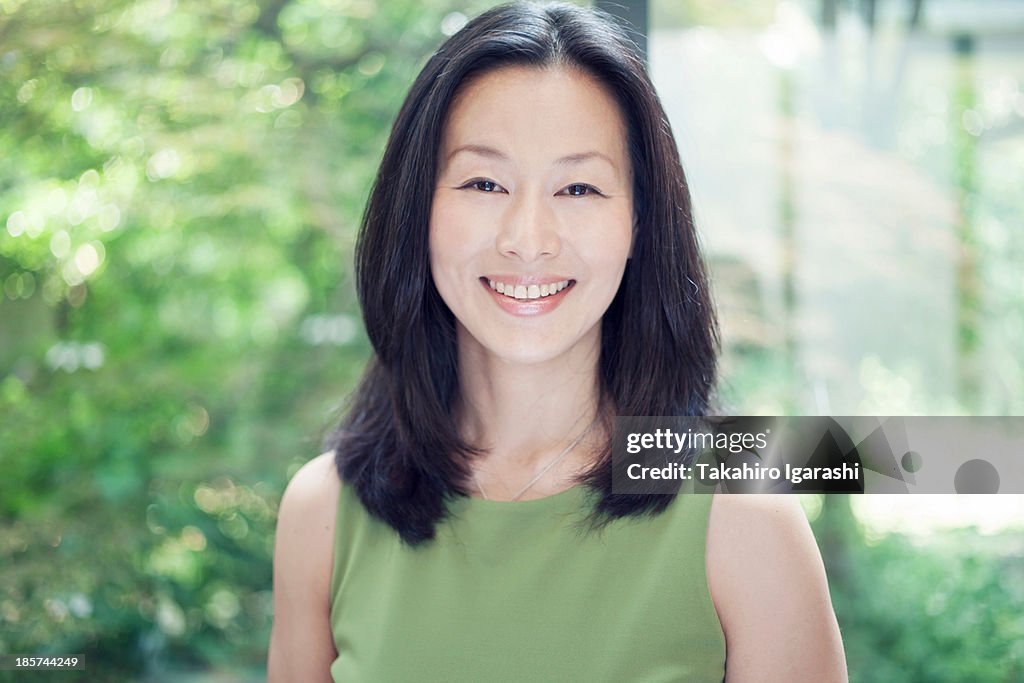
column 180, row 184
column 941, row 610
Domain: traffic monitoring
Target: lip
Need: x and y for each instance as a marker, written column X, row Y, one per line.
column 527, row 307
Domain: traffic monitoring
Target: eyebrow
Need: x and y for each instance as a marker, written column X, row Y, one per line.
column 497, row 155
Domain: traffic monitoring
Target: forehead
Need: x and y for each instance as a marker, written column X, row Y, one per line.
column 537, row 112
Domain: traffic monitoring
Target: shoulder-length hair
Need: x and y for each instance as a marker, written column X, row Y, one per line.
column 398, row 446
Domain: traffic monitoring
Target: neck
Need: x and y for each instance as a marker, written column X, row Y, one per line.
column 525, row 415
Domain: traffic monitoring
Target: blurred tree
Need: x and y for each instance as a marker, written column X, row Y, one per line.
column 939, row 610
column 179, row 188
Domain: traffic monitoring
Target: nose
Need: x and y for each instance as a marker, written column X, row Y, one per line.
column 529, row 230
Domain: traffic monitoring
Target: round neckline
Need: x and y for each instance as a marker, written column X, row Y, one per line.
column 532, row 504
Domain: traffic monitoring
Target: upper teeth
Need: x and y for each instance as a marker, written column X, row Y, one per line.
column 528, row 291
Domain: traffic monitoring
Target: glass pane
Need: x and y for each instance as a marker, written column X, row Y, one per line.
column 856, row 172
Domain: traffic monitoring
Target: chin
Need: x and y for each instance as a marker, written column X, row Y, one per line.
column 523, row 343
column 528, row 356
column 528, row 349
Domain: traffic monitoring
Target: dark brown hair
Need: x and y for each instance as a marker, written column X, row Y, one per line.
column 398, row 446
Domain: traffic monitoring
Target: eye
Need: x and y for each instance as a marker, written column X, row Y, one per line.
column 580, row 190
column 483, row 185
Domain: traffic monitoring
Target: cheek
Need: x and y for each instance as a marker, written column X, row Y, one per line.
column 607, row 246
column 450, row 238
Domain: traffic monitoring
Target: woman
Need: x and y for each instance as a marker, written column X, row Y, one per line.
column 528, row 269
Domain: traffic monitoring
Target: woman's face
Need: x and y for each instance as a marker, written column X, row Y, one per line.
column 532, row 216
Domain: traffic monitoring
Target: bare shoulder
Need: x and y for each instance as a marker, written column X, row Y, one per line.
column 306, row 518
column 301, row 642
column 768, row 584
column 306, row 515
column 314, row 485
column 751, row 515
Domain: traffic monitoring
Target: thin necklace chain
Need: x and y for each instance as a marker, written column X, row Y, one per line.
column 575, row 442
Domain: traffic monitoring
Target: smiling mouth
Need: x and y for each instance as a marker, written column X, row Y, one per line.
column 528, row 292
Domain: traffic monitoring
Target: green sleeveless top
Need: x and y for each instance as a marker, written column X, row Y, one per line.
column 516, row 592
